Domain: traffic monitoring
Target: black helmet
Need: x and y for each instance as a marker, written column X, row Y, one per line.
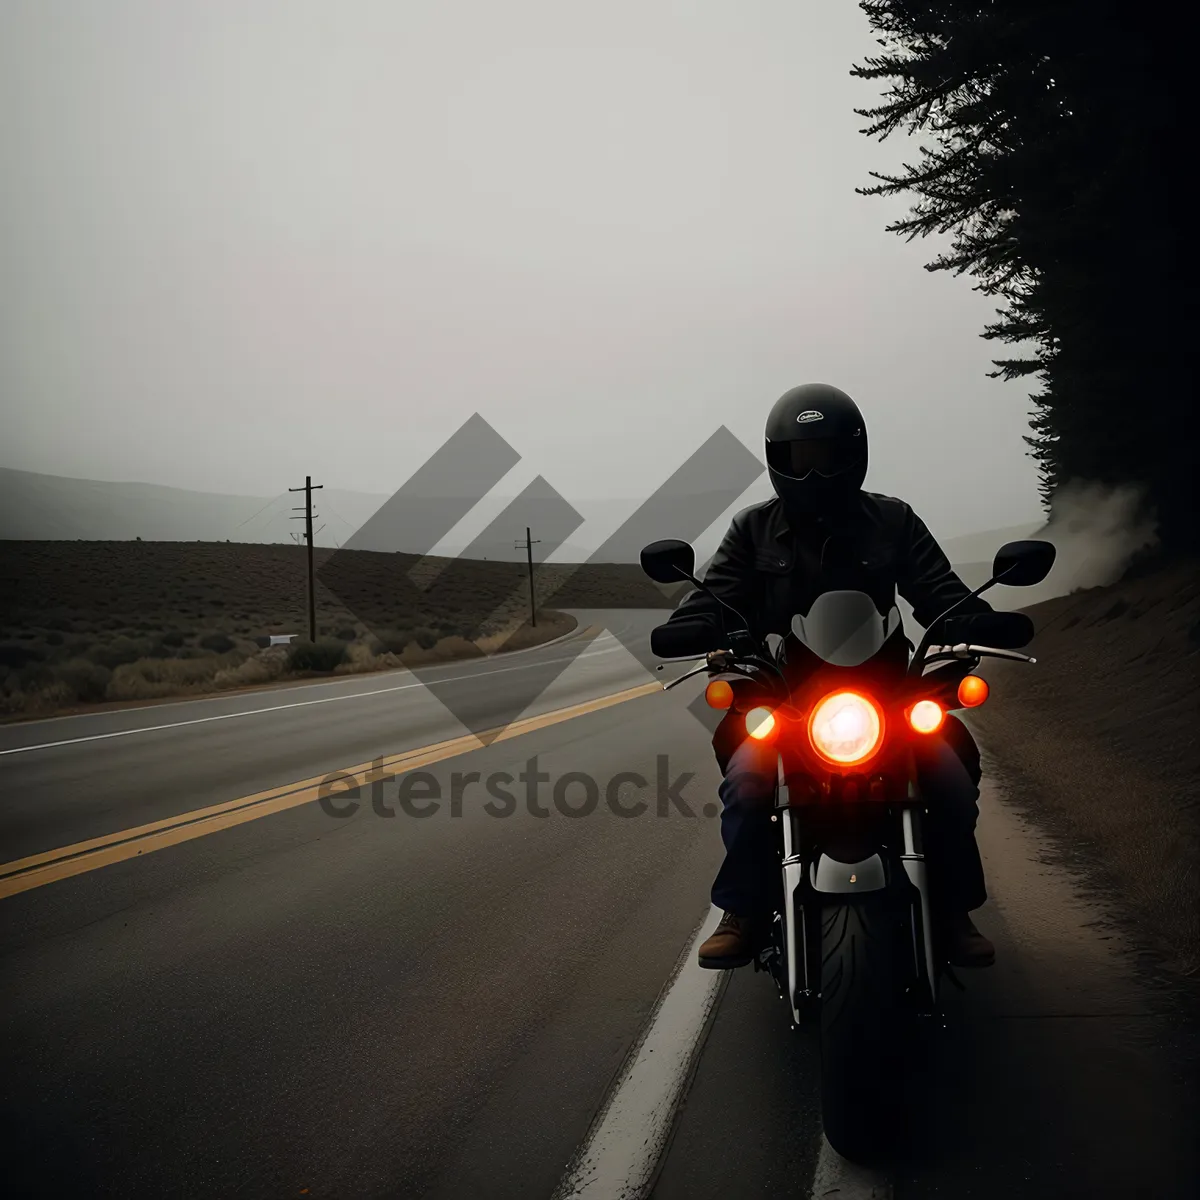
column 816, row 449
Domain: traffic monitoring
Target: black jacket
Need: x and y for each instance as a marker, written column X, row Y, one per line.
column 769, row 571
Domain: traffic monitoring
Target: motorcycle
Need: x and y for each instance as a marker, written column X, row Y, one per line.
column 845, row 700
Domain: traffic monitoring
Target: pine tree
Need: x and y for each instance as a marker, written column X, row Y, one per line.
column 1051, row 165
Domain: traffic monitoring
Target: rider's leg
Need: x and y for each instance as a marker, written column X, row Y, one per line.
column 950, row 834
column 744, row 887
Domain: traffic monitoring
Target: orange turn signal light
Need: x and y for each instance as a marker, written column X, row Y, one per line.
column 972, row 691
column 926, row 716
column 719, row 694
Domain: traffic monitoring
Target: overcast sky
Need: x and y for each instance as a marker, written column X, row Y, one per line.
column 246, row 240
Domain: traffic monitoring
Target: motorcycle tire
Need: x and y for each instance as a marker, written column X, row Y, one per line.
column 863, row 979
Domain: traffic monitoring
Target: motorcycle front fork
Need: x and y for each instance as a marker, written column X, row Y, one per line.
column 792, row 954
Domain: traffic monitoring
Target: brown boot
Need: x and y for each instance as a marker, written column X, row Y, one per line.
column 965, row 946
column 731, row 944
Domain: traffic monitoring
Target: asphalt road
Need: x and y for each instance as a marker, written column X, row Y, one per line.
column 391, row 1005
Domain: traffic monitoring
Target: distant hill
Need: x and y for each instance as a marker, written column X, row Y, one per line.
column 38, row 507
column 53, row 508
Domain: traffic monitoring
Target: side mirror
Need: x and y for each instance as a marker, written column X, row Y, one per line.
column 1022, row 564
column 669, row 561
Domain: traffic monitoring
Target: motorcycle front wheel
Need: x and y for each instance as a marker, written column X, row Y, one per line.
column 863, row 982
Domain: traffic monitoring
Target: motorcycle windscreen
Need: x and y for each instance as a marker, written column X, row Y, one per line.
column 845, row 629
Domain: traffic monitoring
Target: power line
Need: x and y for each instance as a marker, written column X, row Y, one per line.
column 262, row 510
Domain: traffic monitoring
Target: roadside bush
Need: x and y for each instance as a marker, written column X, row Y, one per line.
column 150, row 678
column 88, row 681
column 15, row 656
column 53, row 638
column 448, row 649
column 219, row 643
column 425, row 637
column 34, row 676
column 346, row 635
column 389, row 642
column 316, row 656
column 117, row 653
column 172, row 637
column 262, row 668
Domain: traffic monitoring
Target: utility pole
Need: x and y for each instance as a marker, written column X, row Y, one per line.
column 529, row 544
column 308, row 489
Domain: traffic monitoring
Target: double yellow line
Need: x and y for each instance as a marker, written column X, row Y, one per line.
column 25, row 873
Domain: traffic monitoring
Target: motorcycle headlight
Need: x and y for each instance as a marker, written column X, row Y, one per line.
column 846, row 728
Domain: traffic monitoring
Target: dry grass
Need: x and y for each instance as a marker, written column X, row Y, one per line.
column 91, row 622
column 1100, row 739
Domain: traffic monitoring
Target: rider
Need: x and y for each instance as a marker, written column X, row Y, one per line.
column 820, row 532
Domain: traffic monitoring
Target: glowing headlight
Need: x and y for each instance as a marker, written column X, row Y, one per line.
column 846, row 728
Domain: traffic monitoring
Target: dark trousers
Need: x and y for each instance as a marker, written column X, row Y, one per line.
column 747, row 882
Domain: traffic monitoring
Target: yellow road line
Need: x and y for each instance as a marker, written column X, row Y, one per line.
column 22, row 874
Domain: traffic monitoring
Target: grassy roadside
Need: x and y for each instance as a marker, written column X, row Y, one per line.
column 1099, row 741
column 89, row 623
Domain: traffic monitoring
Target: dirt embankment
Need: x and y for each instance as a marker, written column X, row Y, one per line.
column 1099, row 739
column 101, row 622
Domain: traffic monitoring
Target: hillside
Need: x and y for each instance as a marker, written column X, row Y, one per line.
column 90, row 621
column 52, row 507
column 1099, row 740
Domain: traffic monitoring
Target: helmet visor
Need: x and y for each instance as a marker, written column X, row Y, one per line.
column 826, row 456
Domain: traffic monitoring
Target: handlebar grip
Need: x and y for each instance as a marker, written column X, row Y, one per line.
column 684, row 636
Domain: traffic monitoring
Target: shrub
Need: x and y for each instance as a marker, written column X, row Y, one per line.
column 445, row 650
column 118, row 652
column 34, row 676
column 219, row 643
column 389, row 642
column 12, row 655
column 316, row 656
column 88, row 681
column 54, row 638
column 425, row 637
column 173, row 637
column 346, row 635
column 262, row 668
column 149, row 678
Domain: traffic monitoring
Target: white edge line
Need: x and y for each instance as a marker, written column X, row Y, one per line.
column 290, row 688
column 254, row 712
column 620, row 1155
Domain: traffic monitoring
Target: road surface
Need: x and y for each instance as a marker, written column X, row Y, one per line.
column 213, row 986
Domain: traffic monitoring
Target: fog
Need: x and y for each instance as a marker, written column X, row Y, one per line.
column 245, row 242
column 1096, row 531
